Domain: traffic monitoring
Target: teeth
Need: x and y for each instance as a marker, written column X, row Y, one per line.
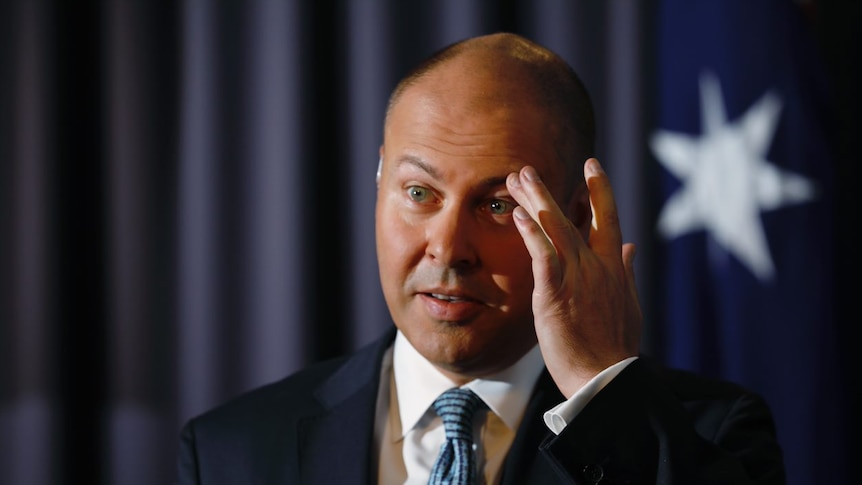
column 446, row 297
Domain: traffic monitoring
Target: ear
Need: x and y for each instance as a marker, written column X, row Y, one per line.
column 379, row 166
column 579, row 210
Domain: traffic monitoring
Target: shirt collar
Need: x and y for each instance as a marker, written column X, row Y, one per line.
column 418, row 383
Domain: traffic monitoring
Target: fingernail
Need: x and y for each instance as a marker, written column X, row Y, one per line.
column 594, row 167
column 521, row 213
column 513, row 180
column 530, row 174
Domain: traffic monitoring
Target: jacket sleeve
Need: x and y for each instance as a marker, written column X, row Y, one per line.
column 653, row 425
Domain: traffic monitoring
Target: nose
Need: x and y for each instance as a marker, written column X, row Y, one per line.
column 450, row 238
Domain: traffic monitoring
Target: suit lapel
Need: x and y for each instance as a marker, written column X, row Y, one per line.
column 336, row 441
column 336, row 444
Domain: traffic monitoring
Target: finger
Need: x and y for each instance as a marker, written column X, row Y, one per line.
column 547, row 272
column 531, row 193
column 517, row 191
column 605, row 233
column 628, row 253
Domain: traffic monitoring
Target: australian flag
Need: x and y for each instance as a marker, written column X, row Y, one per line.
column 742, row 139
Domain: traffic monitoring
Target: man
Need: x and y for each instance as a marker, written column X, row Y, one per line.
column 505, row 273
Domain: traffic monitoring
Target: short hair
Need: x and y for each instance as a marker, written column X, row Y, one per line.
column 555, row 85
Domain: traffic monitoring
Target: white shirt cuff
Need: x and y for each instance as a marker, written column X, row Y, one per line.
column 557, row 418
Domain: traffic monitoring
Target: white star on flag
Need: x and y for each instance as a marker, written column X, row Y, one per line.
column 727, row 180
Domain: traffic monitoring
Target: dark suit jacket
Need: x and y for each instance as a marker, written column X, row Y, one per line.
column 649, row 425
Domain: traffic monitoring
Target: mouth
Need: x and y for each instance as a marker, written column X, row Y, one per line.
column 449, row 306
column 448, row 298
column 450, row 295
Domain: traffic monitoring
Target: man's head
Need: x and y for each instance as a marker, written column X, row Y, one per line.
column 455, row 272
column 533, row 70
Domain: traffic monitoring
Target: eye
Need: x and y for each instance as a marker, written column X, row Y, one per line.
column 499, row 207
column 418, row 194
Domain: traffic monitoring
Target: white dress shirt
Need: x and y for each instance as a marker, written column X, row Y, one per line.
column 409, row 433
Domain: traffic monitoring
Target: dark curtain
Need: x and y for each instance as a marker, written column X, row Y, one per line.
column 187, row 197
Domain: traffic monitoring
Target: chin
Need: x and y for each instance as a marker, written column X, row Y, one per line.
column 449, row 343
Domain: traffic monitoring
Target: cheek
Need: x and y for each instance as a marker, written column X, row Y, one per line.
column 398, row 243
column 510, row 264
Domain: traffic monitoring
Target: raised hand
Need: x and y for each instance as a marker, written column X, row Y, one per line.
column 585, row 300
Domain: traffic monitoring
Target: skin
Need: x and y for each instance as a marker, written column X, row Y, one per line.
column 479, row 259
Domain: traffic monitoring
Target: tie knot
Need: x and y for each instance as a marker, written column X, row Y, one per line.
column 456, row 408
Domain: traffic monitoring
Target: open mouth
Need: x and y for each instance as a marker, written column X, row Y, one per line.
column 449, row 298
column 450, row 308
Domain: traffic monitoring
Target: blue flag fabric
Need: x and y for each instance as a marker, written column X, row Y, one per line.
column 743, row 141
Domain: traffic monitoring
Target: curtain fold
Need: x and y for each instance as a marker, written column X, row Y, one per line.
column 28, row 410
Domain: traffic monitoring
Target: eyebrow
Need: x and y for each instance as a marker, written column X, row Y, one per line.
column 489, row 183
column 421, row 164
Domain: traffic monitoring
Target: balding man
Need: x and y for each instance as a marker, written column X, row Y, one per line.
column 504, row 270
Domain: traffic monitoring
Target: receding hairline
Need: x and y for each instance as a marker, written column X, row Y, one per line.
column 510, row 48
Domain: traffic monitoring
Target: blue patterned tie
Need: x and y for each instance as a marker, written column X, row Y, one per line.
column 456, row 464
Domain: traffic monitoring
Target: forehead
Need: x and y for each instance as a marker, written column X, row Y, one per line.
column 468, row 126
